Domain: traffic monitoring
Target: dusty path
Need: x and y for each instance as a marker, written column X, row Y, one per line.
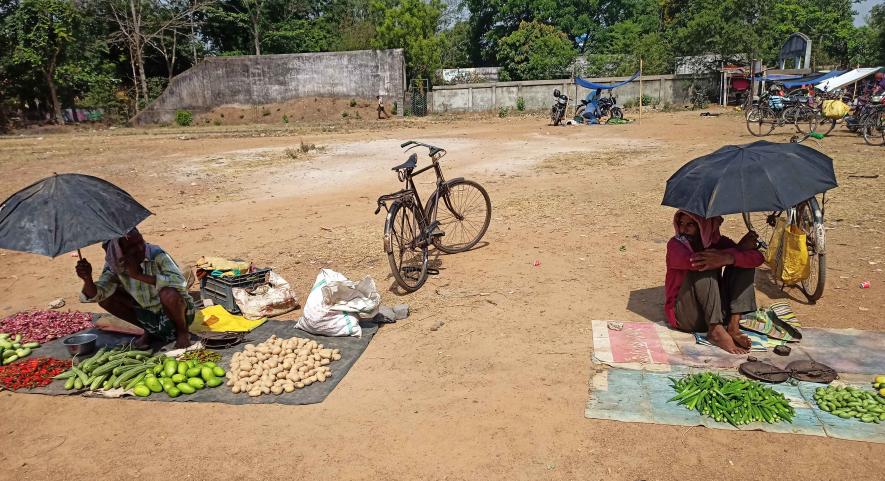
column 498, row 391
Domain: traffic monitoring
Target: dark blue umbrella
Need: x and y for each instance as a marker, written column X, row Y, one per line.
column 66, row 212
column 757, row 177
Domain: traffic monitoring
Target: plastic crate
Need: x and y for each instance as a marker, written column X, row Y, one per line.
column 219, row 290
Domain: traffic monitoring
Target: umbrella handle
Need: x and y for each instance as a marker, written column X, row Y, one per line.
column 79, row 256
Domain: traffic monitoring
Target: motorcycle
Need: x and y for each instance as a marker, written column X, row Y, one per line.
column 608, row 107
column 557, row 112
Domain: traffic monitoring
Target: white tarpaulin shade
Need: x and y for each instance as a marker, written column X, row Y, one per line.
column 846, row 78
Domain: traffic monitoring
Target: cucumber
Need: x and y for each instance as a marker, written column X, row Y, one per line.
column 69, row 384
column 153, row 384
column 215, row 382
column 206, row 373
column 197, row 382
column 78, row 384
column 210, row 364
column 177, row 378
column 172, row 391
column 193, row 372
column 182, row 368
column 185, row 388
column 8, row 353
column 170, row 367
column 31, row 345
column 219, row 372
column 141, row 390
column 81, row 375
column 131, row 373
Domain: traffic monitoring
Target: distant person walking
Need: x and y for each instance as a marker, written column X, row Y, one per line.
column 381, row 109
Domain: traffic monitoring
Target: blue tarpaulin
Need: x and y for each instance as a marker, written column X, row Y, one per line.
column 590, row 85
column 812, row 79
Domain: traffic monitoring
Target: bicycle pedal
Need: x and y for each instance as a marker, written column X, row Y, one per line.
column 437, row 232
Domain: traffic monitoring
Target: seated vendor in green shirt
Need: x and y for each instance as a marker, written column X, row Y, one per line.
column 141, row 284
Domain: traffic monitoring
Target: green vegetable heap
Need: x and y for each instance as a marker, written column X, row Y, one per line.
column 142, row 373
column 851, row 402
column 735, row 401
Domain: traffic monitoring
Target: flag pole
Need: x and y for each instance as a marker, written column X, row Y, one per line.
column 640, row 90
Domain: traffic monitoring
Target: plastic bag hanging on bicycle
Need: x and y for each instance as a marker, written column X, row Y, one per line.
column 787, row 255
column 835, row 109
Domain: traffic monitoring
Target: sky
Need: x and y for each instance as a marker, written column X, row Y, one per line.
column 862, row 9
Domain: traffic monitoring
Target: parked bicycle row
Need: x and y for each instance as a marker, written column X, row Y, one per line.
column 814, row 113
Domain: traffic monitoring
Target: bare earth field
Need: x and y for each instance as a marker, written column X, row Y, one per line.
column 497, row 392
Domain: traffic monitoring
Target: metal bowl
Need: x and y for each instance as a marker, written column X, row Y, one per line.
column 80, row 344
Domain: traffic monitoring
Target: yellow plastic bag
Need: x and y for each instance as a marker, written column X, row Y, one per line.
column 794, row 260
column 217, row 319
column 772, row 254
column 787, row 253
column 835, row 109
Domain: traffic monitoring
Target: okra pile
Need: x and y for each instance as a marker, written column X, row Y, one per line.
column 851, row 402
column 735, row 401
column 108, row 369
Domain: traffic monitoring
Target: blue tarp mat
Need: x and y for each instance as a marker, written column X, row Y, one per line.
column 590, row 85
column 641, row 397
column 812, row 79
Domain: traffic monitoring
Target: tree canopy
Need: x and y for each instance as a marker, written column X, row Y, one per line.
column 119, row 54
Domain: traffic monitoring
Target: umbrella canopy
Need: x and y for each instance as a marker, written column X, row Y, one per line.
column 66, row 212
column 757, row 177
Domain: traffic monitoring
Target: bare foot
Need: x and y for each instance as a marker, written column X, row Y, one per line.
column 718, row 336
column 739, row 338
column 142, row 342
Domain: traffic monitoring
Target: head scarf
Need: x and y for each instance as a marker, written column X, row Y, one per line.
column 113, row 253
column 709, row 229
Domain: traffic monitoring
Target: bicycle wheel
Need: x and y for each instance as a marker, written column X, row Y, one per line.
column 810, row 220
column 874, row 130
column 760, row 121
column 464, row 215
column 402, row 241
column 801, row 116
column 762, row 223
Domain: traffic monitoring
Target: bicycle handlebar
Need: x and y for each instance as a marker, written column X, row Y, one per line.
column 433, row 149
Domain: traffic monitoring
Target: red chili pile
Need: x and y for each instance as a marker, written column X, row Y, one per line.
column 31, row 373
column 43, row 326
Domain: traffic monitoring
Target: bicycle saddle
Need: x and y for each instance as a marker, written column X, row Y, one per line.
column 408, row 164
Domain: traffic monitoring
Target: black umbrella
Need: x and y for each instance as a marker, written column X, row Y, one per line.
column 757, row 177
column 66, row 212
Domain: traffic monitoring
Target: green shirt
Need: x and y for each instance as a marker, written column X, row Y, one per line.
column 160, row 265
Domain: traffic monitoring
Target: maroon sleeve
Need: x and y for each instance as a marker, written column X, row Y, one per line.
column 745, row 259
column 679, row 256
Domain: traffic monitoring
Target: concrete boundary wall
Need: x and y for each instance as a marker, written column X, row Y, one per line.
column 251, row 80
column 538, row 94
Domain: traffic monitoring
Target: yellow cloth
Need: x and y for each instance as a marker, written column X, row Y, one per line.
column 221, row 264
column 835, row 109
column 217, row 319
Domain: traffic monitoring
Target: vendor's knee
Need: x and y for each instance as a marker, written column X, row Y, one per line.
column 704, row 277
column 741, row 275
column 170, row 296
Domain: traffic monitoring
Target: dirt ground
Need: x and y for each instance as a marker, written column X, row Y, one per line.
column 497, row 392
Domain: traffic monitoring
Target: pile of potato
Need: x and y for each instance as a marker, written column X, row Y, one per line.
column 280, row 365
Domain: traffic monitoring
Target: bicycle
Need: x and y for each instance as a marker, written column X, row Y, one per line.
column 809, row 216
column 411, row 226
column 874, row 127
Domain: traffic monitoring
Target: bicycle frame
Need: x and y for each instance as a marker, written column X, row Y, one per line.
column 425, row 225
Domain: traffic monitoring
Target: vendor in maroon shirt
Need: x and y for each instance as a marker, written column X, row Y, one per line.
column 701, row 296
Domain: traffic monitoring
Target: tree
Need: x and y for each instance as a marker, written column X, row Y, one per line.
column 455, row 46
column 412, row 25
column 536, row 51
column 41, row 31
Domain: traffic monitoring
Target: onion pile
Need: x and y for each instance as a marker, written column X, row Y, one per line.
column 43, row 326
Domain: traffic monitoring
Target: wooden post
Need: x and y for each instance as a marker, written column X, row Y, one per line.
column 640, row 90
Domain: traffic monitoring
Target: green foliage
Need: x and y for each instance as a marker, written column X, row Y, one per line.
column 285, row 119
column 394, row 109
column 520, row 104
column 412, row 25
column 535, row 51
column 353, row 102
column 503, row 112
column 455, row 48
column 184, row 118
